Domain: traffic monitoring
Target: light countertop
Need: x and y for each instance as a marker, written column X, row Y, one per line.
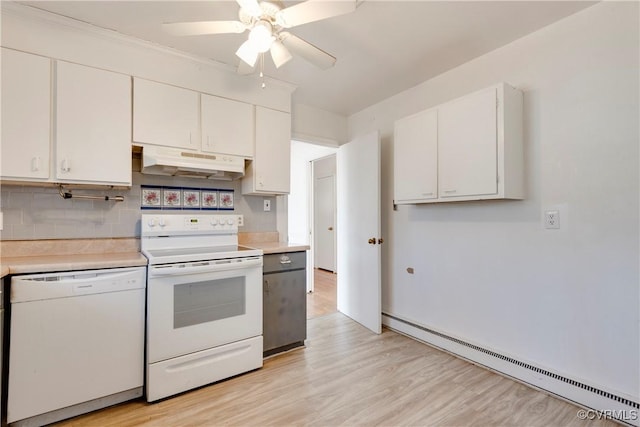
column 47, row 263
column 276, row 247
column 72, row 255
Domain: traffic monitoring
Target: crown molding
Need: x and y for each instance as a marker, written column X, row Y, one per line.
column 33, row 13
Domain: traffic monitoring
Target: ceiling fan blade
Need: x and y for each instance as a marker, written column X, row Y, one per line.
column 252, row 7
column 279, row 54
column 314, row 55
column 245, row 69
column 204, row 27
column 248, row 53
column 313, row 10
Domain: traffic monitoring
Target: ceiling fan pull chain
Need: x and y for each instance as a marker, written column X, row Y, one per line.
column 262, row 70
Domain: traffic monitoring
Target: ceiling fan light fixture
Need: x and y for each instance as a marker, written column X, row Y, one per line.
column 279, row 54
column 261, row 36
column 248, row 53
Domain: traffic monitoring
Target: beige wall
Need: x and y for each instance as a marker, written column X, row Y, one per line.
column 488, row 272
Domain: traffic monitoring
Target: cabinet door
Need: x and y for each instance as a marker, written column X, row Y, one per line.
column 26, row 116
column 284, row 312
column 467, row 146
column 415, row 151
column 271, row 164
column 165, row 115
column 227, row 126
column 93, row 125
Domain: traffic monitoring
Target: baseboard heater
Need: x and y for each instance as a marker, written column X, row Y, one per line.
column 603, row 403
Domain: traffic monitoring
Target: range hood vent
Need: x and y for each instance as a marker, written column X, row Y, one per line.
column 187, row 164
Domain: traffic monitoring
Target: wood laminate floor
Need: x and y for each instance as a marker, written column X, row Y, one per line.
column 349, row 376
column 322, row 300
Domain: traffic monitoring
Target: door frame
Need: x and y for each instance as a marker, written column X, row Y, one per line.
column 282, row 205
column 312, row 225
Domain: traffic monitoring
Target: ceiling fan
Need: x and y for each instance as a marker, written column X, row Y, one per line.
column 266, row 22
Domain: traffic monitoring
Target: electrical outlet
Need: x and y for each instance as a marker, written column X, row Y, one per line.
column 267, row 205
column 240, row 221
column 552, row 219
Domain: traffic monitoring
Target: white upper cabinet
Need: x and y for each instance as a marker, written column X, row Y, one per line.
column 227, row 126
column 416, row 157
column 92, row 110
column 269, row 172
column 26, row 116
column 478, row 146
column 165, row 115
column 93, row 125
column 467, row 146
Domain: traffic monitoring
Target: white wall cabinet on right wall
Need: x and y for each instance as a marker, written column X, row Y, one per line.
column 473, row 150
column 416, row 157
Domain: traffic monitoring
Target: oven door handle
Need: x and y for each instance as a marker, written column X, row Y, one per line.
column 204, row 267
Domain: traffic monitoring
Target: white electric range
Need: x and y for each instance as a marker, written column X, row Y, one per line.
column 204, row 302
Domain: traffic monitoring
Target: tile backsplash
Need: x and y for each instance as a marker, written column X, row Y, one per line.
column 32, row 212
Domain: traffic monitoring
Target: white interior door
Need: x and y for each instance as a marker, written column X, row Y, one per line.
column 325, row 222
column 358, row 200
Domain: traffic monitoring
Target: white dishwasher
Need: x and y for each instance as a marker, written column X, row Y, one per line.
column 76, row 343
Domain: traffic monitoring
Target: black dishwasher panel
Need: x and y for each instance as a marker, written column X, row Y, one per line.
column 284, row 301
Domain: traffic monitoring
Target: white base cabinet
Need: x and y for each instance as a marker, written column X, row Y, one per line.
column 269, row 172
column 470, row 148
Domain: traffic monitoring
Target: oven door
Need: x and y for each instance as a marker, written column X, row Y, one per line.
column 195, row 306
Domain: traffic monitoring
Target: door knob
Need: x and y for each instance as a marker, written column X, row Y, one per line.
column 372, row 241
column 380, row 241
column 330, row 228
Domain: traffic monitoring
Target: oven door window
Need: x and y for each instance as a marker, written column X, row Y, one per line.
column 192, row 312
column 208, row 301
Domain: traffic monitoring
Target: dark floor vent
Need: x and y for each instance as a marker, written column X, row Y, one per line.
column 524, row 365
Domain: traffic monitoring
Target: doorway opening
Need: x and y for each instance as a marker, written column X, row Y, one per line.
column 311, row 212
column 322, row 300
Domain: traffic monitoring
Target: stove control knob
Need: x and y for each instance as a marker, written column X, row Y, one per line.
column 152, row 222
column 230, row 221
column 162, row 222
column 214, row 221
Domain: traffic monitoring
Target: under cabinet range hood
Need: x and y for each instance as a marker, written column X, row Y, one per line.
column 187, row 164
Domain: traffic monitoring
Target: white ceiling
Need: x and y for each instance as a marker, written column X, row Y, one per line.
column 383, row 48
